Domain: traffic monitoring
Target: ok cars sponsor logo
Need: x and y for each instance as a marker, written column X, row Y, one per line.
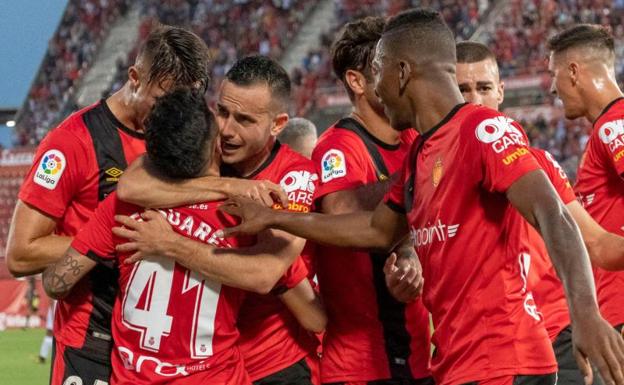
column 300, row 187
column 612, row 134
column 436, row 232
column 500, row 133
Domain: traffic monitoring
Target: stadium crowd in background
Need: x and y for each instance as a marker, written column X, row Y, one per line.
column 427, row 204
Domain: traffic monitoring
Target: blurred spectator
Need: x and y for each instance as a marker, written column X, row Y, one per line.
column 70, row 53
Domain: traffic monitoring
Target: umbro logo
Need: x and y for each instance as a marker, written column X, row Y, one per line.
column 113, row 174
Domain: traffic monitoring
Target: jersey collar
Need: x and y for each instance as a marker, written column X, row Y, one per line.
column 607, row 108
column 448, row 117
column 227, row 170
column 118, row 124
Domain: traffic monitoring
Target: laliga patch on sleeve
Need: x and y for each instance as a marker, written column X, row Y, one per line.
column 50, row 169
column 334, row 165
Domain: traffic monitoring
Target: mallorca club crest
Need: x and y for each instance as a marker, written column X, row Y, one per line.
column 436, row 174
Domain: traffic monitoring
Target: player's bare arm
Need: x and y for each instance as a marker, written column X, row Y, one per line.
column 306, row 306
column 606, row 250
column 381, row 229
column 255, row 268
column 32, row 245
column 363, row 198
column 60, row 277
column 594, row 339
column 142, row 186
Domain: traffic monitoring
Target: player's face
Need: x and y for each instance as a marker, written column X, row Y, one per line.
column 372, row 99
column 562, row 85
column 479, row 83
column 386, row 73
column 246, row 121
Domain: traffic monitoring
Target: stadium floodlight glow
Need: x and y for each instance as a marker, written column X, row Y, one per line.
column 10, row 123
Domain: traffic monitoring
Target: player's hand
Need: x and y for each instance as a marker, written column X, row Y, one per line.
column 596, row 342
column 262, row 191
column 403, row 277
column 147, row 238
column 254, row 216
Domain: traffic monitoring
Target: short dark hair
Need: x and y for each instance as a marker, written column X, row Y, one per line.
column 582, row 35
column 177, row 132
column 473, row 52
column 259, row 69
column 173, row 53
column 428, row 32
column 354, row 48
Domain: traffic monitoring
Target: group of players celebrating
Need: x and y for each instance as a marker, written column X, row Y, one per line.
column 193, row 268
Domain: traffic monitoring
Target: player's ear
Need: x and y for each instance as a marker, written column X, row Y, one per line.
column 405, row 72
column 573, row 72
column 355, row 81
column 279, row 122
column 134, row 77
column 501, row 92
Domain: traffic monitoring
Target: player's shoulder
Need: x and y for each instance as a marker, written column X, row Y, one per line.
column 338, row 142
column 287, row 159
column 609, row 127
column 72, row 131
column 488, row 125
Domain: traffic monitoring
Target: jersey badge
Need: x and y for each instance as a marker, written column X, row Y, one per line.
column 50, row 169
column 334, row 165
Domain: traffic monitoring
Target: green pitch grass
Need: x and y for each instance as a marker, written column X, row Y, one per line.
column 19, row 364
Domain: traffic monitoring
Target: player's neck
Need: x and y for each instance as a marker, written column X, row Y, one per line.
column 122, row 111
column 252, row 164
column 377, row 126
column 433, row 102
column 597, row 100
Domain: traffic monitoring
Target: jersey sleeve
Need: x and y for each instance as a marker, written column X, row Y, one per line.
column 611, row 144
column 59, row 171
column 296, row 273
column 555, row 173
column 96, row 239
column 341, row 161
column 498, row 147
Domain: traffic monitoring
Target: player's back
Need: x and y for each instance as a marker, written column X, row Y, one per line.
column 170, row 325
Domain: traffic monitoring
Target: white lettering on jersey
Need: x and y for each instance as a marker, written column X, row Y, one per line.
column 334, row 165
column 437, row 232
column 556, row 164
column 530, row 307
column 500, row 133
column 300, row 187
column 50, row 169
column 612, row 133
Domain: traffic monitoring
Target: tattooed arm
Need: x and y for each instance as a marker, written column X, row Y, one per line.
column 60, row 277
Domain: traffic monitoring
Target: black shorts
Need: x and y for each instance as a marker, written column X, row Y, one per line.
column 80, row 366
column 420, row 381
column 297, row 373
column 569, row 372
